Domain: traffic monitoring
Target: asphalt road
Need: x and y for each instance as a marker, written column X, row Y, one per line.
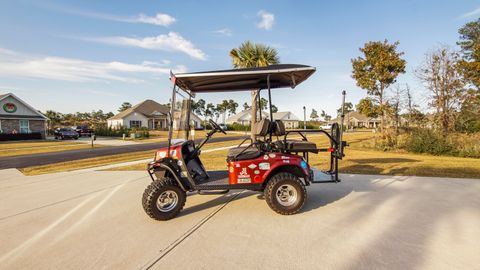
column 94, row 220
column 55, row 157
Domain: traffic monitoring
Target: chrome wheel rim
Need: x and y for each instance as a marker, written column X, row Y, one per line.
column 286, row 195
column 167, row 201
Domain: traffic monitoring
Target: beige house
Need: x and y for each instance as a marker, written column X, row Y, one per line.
column 357, row 120
column 290, row 120
column 18, row 120
column 148, row 114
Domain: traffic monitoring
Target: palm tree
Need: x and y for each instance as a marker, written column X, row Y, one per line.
column 250, row 55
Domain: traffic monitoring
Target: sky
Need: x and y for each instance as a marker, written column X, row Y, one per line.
column 71, row 56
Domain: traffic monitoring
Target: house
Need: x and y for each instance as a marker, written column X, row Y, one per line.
column 290, row 120
column 357, row 120
column 20, row 121
column 243, row 118
column 148, row 114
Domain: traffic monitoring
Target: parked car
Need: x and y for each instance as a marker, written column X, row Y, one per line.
column 65, row 133
column 83, row 130
column 326, row 126
column 223, row 126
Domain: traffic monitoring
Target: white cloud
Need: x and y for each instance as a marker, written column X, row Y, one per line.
column 161, row 19
column 224, row 31
column 77, row 70
column 158, row 19
column 472, row 13
column 267, row 20
column 172, row 42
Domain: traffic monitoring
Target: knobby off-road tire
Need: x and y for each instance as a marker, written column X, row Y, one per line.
column 285, row 194
column 163, row 199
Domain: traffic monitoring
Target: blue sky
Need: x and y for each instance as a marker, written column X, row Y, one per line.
column 83, row 55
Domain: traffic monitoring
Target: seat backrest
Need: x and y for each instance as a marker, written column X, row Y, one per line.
column 279, row 128
column 261, row 128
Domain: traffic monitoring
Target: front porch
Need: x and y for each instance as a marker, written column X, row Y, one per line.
column 157, row 124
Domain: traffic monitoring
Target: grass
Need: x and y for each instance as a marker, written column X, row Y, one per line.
column 162, row 135
column 107, row 160
column 8, row 149
column 360, row 158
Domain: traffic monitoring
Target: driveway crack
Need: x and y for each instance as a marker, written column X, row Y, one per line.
column 178, row 241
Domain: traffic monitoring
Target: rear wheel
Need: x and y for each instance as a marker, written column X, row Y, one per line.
column 285, row 194
column 163, row 199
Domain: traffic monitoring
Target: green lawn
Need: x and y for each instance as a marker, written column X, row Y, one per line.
column 17, row 148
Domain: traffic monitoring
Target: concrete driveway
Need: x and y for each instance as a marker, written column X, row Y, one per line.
column 94, row 219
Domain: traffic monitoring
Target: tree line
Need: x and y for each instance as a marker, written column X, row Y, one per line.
column 451, row 79
column 94, row 119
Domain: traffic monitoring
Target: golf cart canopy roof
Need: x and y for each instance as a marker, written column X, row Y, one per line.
column 244, row 79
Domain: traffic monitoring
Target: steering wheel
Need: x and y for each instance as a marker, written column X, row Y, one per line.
column 216, row 126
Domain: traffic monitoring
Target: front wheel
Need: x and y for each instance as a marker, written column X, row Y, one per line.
column 163, row 199
column 285, row 194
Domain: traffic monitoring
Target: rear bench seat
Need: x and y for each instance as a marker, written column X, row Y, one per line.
column 292, row 145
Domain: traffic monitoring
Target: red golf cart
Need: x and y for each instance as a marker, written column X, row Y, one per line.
column 275, row 163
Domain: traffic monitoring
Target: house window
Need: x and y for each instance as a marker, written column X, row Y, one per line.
column 135, row 124
column 24, row 126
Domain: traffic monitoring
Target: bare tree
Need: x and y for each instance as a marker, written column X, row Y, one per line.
column 440, row 76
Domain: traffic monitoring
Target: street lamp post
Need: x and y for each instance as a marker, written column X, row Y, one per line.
column 304, row 117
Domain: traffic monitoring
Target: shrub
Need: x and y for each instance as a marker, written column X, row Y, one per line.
column 428, row 141
column 142, row 132
column 110, row 132
column 238, row 127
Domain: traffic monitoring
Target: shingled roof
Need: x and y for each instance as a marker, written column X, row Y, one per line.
column 149, row 108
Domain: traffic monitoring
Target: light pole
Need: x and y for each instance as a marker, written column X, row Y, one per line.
column 304, row 117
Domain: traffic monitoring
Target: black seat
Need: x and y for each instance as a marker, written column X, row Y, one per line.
column 292, row 145
column 251, row 151
column 243, row 153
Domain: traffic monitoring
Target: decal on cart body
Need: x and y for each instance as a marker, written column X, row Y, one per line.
column 237, row 165
column 244, row 172
column 264, row 166
column 252, row 166
column 244, row 180
column 272, row 155
column 286, row 161
column 231, row 169
column 285, row 157
column 265, row 157
column 303, row 164
column 256, row 172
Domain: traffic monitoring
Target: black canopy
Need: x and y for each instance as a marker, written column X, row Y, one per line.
column 285, row 75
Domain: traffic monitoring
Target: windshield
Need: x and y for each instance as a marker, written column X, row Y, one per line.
column 182, row 120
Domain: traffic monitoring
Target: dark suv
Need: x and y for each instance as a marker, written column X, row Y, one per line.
column 65, row 133
column 83, row 130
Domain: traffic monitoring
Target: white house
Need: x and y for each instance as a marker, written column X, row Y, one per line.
column 18, row 120
column 148, row 114
column 242, row 118
column 357, row 120
column 290, row 120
